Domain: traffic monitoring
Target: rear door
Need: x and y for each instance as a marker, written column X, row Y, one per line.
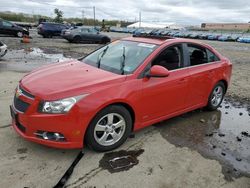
column 202, row 67
column 166, row 96
column 93, row 35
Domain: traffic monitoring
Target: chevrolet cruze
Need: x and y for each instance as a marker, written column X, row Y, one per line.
column 119, row 88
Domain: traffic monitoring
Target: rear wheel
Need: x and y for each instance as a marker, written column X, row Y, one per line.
column 109, row 129
column 216, row 96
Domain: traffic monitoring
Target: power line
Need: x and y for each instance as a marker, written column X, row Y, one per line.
column 45, row 3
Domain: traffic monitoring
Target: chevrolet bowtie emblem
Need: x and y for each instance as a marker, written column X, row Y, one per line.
column 18, row 93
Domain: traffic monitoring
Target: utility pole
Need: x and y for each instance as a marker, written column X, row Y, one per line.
column 140, row 19
column 82, row 14
column 83, row 17
column 94, row 14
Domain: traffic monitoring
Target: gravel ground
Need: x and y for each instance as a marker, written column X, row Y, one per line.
column 197, row 149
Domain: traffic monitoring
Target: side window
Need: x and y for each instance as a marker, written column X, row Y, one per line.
column 211, row 56
column 197, row 55
column 7, row 24
column 84, row 30
column 63, row 27
column 170, row 58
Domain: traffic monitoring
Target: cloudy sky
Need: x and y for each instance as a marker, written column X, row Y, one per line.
column 178, row 11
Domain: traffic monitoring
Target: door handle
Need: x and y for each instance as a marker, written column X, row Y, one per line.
column 183, row 80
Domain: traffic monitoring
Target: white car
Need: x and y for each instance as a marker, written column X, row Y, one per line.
column 3, row 49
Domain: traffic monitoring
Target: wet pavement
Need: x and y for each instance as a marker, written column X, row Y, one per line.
column 222, row 135
column 118, row 161
column 148, row 159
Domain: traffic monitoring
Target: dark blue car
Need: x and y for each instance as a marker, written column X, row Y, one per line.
column 48, row 30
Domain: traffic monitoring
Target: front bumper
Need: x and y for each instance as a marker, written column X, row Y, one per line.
column 27, row 124
column 68, row 37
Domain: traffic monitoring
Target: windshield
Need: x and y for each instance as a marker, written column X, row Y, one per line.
column 120, row 57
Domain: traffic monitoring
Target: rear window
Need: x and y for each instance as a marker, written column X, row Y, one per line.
column 197, row 55
column 211, row 56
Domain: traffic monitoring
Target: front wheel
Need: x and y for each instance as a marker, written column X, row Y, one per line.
column 105, row 40
column 216, row 96
column 19, row 34
column 109, row 129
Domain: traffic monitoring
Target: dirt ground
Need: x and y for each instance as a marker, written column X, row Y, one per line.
column 197, row 149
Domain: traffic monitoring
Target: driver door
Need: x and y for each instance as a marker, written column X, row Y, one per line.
column 167, row 95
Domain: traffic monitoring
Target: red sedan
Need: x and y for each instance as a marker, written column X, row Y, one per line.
column 122, row 87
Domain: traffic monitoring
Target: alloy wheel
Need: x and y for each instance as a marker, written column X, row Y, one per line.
column 109, row 129
column 217, row 96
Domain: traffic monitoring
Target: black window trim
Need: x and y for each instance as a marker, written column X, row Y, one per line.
column 188, row 58
column 184, row 60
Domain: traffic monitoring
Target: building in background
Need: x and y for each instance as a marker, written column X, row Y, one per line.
column 226, row 26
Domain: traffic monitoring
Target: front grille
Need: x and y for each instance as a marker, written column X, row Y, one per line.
column 25, row 93
column 20, row 105
column 20, row 126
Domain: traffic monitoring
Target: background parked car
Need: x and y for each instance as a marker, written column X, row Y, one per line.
column 85, row 34
column 8, row 28
column 47, row 29
column 3, row 49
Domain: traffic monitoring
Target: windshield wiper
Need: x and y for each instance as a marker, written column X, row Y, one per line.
column 123, row 61
column 100, row 57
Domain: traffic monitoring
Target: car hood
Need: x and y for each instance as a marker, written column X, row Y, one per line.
column 67, row 79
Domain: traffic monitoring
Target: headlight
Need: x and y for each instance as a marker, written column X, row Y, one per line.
column 60, row 106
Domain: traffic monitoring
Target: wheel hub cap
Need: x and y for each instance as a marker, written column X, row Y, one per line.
column 109, row 129
column 217, row 96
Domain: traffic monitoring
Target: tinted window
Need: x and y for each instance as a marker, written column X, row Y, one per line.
column 63, row 27
column 84, row 30
column 121, row 57
column 7, row 24
column 211, row 56
column 170, row 58
column 197, row 55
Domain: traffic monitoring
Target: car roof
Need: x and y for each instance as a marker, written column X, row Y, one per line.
column 51, row 23
column 163, row 40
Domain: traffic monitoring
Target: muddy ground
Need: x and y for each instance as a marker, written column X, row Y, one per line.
column 197, row 149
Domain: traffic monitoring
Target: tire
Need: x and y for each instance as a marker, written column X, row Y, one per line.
column 216, row 96
column 100, row 133
column 19, row 34
column 77, row 39
column 105, row 40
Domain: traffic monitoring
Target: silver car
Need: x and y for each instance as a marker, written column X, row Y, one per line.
column 3, row 49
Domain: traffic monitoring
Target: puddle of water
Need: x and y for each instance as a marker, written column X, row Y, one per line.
column 120, row 160
column 26, row 60
column 221, row 135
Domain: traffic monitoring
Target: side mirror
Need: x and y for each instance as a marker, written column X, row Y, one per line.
column 158, row 71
